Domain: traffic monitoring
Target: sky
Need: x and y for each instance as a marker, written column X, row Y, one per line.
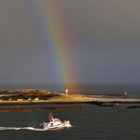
column 104, row 41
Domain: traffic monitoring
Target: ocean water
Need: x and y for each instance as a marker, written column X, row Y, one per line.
column 89, row 122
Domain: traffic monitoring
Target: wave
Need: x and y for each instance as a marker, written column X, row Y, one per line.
column 26, row 128
column 22, row 128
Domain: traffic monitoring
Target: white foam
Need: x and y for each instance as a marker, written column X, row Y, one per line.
column 22, row 128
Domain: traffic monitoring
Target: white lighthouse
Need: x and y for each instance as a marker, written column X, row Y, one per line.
column 66, row 90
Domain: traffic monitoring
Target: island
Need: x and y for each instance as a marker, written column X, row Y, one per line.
column 35, row 96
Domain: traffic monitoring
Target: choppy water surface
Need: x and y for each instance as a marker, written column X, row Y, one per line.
column 89, row 122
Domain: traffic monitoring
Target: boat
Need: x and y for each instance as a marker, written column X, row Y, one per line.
column 55, row 123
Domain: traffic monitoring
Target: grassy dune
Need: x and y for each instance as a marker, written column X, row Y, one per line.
column 32, row 96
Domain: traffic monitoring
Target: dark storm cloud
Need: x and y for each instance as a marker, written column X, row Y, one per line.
column 102, row 20
column 107, row 38
column 22, row 58
column 105, row 34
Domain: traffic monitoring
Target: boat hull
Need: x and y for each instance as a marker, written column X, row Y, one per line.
column 65, row 124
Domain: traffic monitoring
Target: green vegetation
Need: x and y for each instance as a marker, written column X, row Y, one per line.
column 23, row 94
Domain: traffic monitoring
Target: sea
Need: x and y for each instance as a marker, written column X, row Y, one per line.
column 89, row 121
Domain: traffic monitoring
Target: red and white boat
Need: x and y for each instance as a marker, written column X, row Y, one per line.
column 55, row 123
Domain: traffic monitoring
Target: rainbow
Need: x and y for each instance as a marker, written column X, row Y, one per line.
column 59, row 40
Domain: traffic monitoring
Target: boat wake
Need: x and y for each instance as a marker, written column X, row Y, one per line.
column 22, row 128
column 53, row 124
